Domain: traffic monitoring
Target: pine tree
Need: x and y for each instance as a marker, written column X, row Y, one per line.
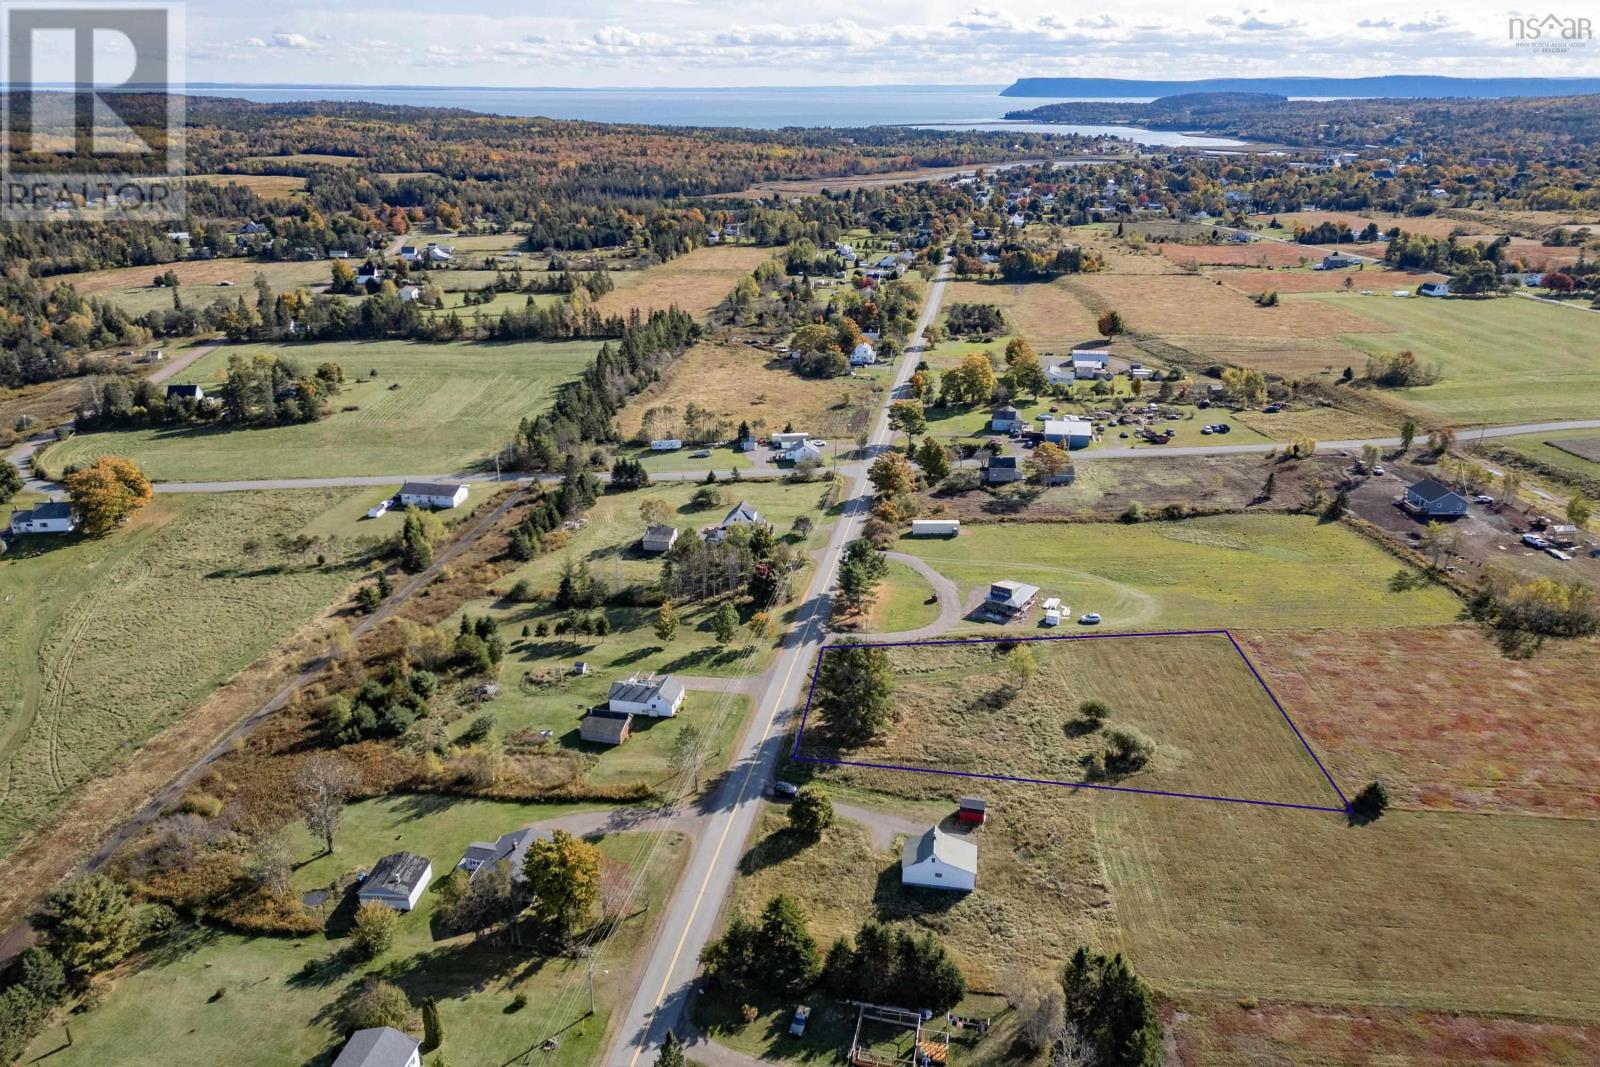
column 432, row 1029
column 671, row 1054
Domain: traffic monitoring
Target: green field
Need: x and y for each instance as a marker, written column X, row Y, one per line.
column 1233, row 571
column 213, row 997
column 114, row 638
column 1504, row 360
column 432, row 409
column 1543, row 448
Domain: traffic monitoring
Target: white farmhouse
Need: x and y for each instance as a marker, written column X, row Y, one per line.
column 938, row 860
column 55, row 517
column 863, row 356
column 432, row 494
column 658, row 696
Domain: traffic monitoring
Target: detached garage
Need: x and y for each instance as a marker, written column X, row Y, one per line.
column 938, row 860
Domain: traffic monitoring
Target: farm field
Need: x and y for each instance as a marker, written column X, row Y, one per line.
column 1215, row 729
column 1436, row 225
column 1369, row 276
column 454, row 406
column 1573, row 452
column 1502, row 360
column 1230, row 571
column 266, row 186
column 115, row 638
column 696, row 282
column 1179, row 306
column 1443, row 719
column 1232, row 254
column 737, row 383
column 117, row 283
column 1048, row 314
column 281, row 996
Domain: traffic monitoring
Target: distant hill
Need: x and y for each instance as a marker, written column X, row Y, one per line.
column 1425, row 86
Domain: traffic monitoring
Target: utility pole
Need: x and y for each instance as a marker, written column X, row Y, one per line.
column 591, row 983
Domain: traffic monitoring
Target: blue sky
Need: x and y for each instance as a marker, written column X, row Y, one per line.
column 829, row 42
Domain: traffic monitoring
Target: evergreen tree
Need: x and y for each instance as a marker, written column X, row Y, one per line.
column 432, row 1029
column 671, row 1054
column 785, row 948
column 855, row 692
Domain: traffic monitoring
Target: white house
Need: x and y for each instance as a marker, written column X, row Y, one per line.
column 935, row 527
column 185, row 392
column 938, row 860
column 381, row 1046
column 782, row 442
column 805, row 452
column 55, row 517
column 1061, row 373
column 409, row 293
column 863, row 356
column 1435, row 289
column 1005, row 419
column 396, row 881
column 656, row 695
column 432, row 494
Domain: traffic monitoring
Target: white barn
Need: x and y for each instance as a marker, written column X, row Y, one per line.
column 938, row 860
column 396, row 881
column 658, row 696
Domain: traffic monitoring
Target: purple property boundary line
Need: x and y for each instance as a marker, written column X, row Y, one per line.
column 1344, row 803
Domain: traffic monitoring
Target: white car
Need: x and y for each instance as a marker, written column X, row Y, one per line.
column 1483, row 498
column 1089, row 619
column 1378, row 470
column 1534, row 541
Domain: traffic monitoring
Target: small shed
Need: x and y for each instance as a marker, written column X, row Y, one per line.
column 603, row 727
column 972, row 810
column 659, row 538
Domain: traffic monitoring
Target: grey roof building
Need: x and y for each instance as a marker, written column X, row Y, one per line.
column 511, row 847
column 397, row 880
column 381, row 1046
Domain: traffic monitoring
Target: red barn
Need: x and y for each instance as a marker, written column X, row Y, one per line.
column 972, row 810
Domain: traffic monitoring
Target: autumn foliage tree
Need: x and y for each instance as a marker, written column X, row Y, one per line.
column 106, row 493
column 563, row 877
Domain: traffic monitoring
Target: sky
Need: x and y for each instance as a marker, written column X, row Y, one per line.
column 680, row 43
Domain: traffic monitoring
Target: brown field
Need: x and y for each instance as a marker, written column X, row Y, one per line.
column 1583, row 447
column 740, row 383
column 1046, row 313
column 1537, row 256
column 1444, row 720
column 307, row 157
column 1257, row 254
column 1380, row 279
column 1437, row 225
column 696, row 282
column 1216, row 1033
column 267, row 186
column 1525, row 223
column 1186, row 305
column 201, row 272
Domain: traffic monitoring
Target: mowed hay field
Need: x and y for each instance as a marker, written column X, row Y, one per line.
column 1234, row 254
column 112, row 639
column 1180, row 305
column 432, row 409
column 1215, row 728
column 198, row 282
column 1501, row 360
column 266, row 186
column 1379, row 279
column 1443, row 719
column 1436, row 225
column 744, row 384
column 1048, row 314
column 696, row 282
column 1218, row 572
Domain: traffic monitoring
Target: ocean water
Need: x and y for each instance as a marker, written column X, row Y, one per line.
column 936, row 106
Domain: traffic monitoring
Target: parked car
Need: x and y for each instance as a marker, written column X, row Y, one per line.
column 1272, row 409
column 1534, row 541
column 1091, row 618
column 1483, row 498
column 1378, row 470
column 704, row 453
column 1223, row 427
column 797, row 1026
column 785, row 789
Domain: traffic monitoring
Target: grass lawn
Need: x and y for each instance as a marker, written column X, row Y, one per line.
column 902, row 602
column 114, row 638
column 279, row 997
column 1230, row 571
column 1502, row 360
column 455, row 403
column 1564, row 450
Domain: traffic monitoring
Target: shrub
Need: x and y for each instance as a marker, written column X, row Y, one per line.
column 1133, row 513
column 812, row 811
column 377, row 1003
column 1095, row 711
column 1370, row 803
column 374, row 931
column 202, row 804
column 519, row 1001
column 1128, row 750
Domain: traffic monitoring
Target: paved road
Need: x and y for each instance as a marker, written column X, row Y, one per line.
column 17, row 938
column 668, row 975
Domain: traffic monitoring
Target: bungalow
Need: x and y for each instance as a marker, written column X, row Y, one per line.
column 1010, row 598
column 807, row 452
column 1435, row 501
column 55, row 517
column 659, row 538
column 863, row 356
column 511, row 847
column 380, row 1046
column 396, row 881
column 1434, row 289
column 741, row 515
column 185, row 392
column 935, row 527
column 432, row 494
column 1072, row 433
column 1002, row 469
column 602, row 727
column 1336, row 261
column 250, row 229
column 938, row 860
column 409, row 293
column 782, row 442
column 1005, row 419
column 656, row 695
